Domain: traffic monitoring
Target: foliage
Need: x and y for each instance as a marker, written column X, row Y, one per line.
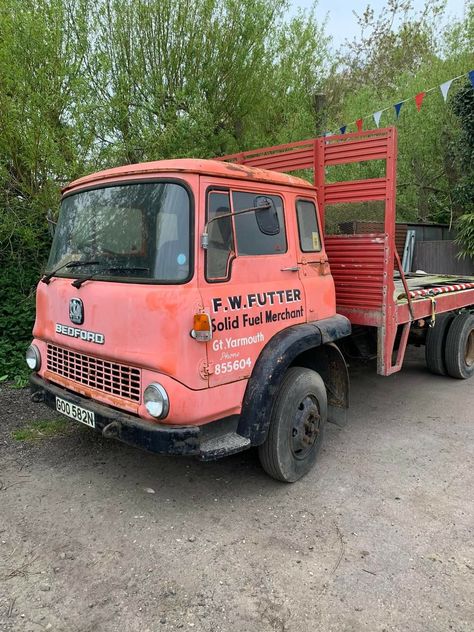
column 16, row 317
column 401, row 52
column 87, row 85
column 198, row 77
column 466, row 234
column 42, row 145
column 397, row 40
column 463, row 106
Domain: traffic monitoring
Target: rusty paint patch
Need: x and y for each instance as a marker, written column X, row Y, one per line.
column 100, row 396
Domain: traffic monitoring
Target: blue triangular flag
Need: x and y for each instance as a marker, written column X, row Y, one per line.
column 471, row 77
column 398, row 107
column 343, row 129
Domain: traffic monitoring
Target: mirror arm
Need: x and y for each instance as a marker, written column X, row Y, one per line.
column 205, row 233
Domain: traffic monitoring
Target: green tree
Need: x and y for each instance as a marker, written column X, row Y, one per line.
column 398, row 54
column 87, row 85
column 42, row 145
column 200, row 77
column 463, row 106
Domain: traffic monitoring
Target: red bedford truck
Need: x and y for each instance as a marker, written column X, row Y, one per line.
column 194, row 307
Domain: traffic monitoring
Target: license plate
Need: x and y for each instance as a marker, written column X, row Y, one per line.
column 75, row 412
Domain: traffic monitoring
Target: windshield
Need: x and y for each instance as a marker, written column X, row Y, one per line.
column 140, row 231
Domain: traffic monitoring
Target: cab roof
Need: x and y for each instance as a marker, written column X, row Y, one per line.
column 189, row 165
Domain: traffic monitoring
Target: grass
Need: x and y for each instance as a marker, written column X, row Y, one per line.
column 41, row 430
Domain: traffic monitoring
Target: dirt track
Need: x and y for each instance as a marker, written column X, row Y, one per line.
column 98, row 536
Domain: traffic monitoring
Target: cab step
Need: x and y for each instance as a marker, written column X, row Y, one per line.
column 217, row 447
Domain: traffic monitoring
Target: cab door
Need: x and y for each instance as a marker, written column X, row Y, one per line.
column 250, row 286
column 313, row 264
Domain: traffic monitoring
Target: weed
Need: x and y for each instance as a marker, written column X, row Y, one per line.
column 21, row 381
column 41, row 430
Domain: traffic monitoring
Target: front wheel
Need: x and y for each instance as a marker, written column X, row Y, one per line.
column 296, row 426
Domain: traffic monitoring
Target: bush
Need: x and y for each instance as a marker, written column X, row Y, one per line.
column 17, row 315
column 463, row 193
column 465, row 232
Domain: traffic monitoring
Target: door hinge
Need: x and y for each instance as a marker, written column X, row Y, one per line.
column 206, row 369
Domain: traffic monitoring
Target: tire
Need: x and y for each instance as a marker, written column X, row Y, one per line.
column 460, row 347
column 297, row 426
column 435, row 344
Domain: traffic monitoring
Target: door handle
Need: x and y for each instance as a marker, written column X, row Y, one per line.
column 290, row 269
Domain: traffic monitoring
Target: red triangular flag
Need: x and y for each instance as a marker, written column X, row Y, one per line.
column 419, row 100
column 359, row 125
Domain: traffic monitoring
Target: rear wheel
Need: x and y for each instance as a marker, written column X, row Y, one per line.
column 436, row 343
column 460, row 347
column 296, row 426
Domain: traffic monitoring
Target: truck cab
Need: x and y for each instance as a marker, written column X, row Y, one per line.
column 188, row 307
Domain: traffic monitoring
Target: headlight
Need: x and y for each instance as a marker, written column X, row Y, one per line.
column 33, row 358
column 156, row 400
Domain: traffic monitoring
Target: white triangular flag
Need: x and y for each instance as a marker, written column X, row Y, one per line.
column 377, row 116
column 444, row 87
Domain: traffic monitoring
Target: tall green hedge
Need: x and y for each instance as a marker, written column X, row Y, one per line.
column 17, row 312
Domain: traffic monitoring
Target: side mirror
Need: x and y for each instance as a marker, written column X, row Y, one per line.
column 266, row 216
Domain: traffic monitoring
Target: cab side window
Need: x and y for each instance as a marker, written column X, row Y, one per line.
column 310, row 240
column 249, row 236
column 221, row 240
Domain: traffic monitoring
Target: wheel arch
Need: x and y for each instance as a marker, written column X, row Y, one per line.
column 309, row 345
column 328, row 361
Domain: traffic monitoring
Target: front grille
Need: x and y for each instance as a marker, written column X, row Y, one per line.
column 109, row 377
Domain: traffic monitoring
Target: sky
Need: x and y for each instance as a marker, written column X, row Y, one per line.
column 341, row 21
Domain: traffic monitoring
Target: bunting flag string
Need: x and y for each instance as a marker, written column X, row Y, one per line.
column 418, row 98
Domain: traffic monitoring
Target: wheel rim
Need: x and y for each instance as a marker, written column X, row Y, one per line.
column 305, row 428
column 469, row 354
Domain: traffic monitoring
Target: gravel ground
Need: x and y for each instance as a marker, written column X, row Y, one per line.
column 379, row 537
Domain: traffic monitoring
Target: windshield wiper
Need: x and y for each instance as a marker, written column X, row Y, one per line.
column 78, row 282
column 72, row 264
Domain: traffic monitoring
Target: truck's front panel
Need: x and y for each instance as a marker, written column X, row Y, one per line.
column 116, row 315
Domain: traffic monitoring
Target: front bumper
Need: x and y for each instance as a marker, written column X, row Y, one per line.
column 208, row 442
